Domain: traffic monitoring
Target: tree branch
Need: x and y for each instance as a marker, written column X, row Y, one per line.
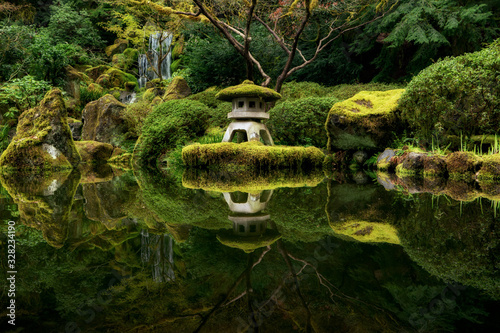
column 275, row 35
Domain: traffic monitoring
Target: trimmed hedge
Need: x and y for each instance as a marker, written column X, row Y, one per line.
column 170, row 124
column 456, row 96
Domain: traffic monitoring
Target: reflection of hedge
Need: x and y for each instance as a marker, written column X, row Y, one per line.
column 455, row 96
column 454, row 241
column 170, row 124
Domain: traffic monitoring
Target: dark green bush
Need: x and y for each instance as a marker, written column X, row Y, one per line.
column 170, row 124
column 301, row 122
column 456, row 96
column 295, row 90
column 345, row 91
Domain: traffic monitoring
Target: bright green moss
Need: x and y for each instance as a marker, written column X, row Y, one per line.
column 248, row 89
column 368, row 232
column 490, row 168
column 248, row 244
column 367, row 103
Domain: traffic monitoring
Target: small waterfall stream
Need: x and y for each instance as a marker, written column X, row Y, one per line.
column 157, row 250
column 159, row 53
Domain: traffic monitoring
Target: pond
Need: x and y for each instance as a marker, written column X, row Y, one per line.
column 116, row 251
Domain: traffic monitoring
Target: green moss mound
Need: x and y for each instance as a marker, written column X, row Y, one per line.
column 93, row 151
column 301, row 122
column 170, row 124
column 456, row 96
column 251, row 155
column 368, row 232
column 248, row 244
column 365, row 121
column 248, row 89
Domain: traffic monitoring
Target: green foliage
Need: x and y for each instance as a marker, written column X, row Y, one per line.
column 345, row 91
column 170, row 124
column 4, row 137
column 455, row 96
column 68, row 25
column 295, row 90
column 21, row 94
column 301, row 122
column 135, row 114
column 14, row 42
column 422, row 30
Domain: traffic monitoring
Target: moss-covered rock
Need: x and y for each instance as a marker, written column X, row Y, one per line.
column 248, row 244
column 490, row 168
column 252, row 155
column 368, row 232
column 93, row 151
column 386, row 161
column 462, row 165
column 95, row 173
column 126, row 60
column 119, row 46
column 435, row 165
column 43, row 138
column 74, row 79
column 365, row 121
column 95, row 72
column 103, row 121
column 177, row 89
column 116, row 78
column 411, row 163
column 248, row 89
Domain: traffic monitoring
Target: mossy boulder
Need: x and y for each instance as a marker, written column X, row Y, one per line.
column 177, row 89
column 43, row 138
column 151, row 93
column 368, row 232
column 365, row 121
column 248, row 244
column 74, row 79
column 462, row 165
column 248, row 89
column 119, row 46
column 103, row 121
column 411, row 163
column 490, row 168
column 76, row 127
column 126, row 60
column 95, row 72
column 94, row 152
column 251, row 155
column 386, row 161
column 116, row 78
column 435, row 165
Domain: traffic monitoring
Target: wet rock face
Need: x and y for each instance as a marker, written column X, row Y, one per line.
column 177, row 89
column 94, row 152
column 103, row 121
column 43, row 138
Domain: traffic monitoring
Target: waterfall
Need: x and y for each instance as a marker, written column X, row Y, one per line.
column 159, row 45
column 157, row 251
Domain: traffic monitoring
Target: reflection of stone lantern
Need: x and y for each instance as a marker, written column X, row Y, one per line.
column 248, row 109
column 249, row 224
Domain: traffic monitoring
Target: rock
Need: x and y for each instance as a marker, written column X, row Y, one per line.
column 119, row 46
column 115, row 78
column 463, row 165
column 360, row 157
column 411, row 164
column 151, row 93
column 95, row 173
column 95, row 72
column 365, row 121
column 490, row 169
column 435, row 165
column 386, row 160
column 76, row 128
column 177, row 89
column 43, row 138
column 126, row 60
column 73, row 80
column 94, row 152
column 103, row 121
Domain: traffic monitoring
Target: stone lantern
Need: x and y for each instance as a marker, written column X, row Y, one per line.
column 248, row 109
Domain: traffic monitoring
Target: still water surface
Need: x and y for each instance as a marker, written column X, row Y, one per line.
column 122, row 252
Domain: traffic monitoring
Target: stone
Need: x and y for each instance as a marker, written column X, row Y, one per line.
column 365, row 121
column 43, row 138
column 73, row 80
column 119, row 46
column 76, row 127
column 177, row 89
column 463, row 165
column 435, row 165
column 116, row 78
column 386, row 160
column 412, row 163
column 94, row 152
column 95, row 72
column 126, row 60
column 103, row 121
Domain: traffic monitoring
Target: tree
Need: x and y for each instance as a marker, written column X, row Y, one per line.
column 285, row 22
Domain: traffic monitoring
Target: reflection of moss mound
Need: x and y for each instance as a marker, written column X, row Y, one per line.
column 368, row 232
column 249, row 182
column 251, row 155
column 248, row 89
column 248, row 244
column 365, row 120
column 454, row 241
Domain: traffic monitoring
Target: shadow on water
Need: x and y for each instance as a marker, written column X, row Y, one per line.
column 106, row 250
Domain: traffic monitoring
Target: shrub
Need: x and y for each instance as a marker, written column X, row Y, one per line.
column 456, row 96
column 295, row 90
column 19, row 95
column 135, row 114
column 301, row 121
column 346, row 91
column 171, row 123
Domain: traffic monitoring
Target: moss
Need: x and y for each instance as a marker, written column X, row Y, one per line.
column 248, row 89
column 490, row 168
column 177, row 89
column 207, row 97
column 248, row 244
column 252, row 155
column 122, row 161
column 249, row 182
column 366, row 120
column 115, row 78
column 95, row 72
column 126, row 60
column 118, row 47
column 462, row 165
column 149, row 94
column 435, row 165
column 43, row 138
column 93, row 151
column 368, row 232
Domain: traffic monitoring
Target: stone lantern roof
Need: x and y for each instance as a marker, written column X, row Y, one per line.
column 248, row 89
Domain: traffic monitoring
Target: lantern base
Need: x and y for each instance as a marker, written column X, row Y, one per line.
column 247, row 130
